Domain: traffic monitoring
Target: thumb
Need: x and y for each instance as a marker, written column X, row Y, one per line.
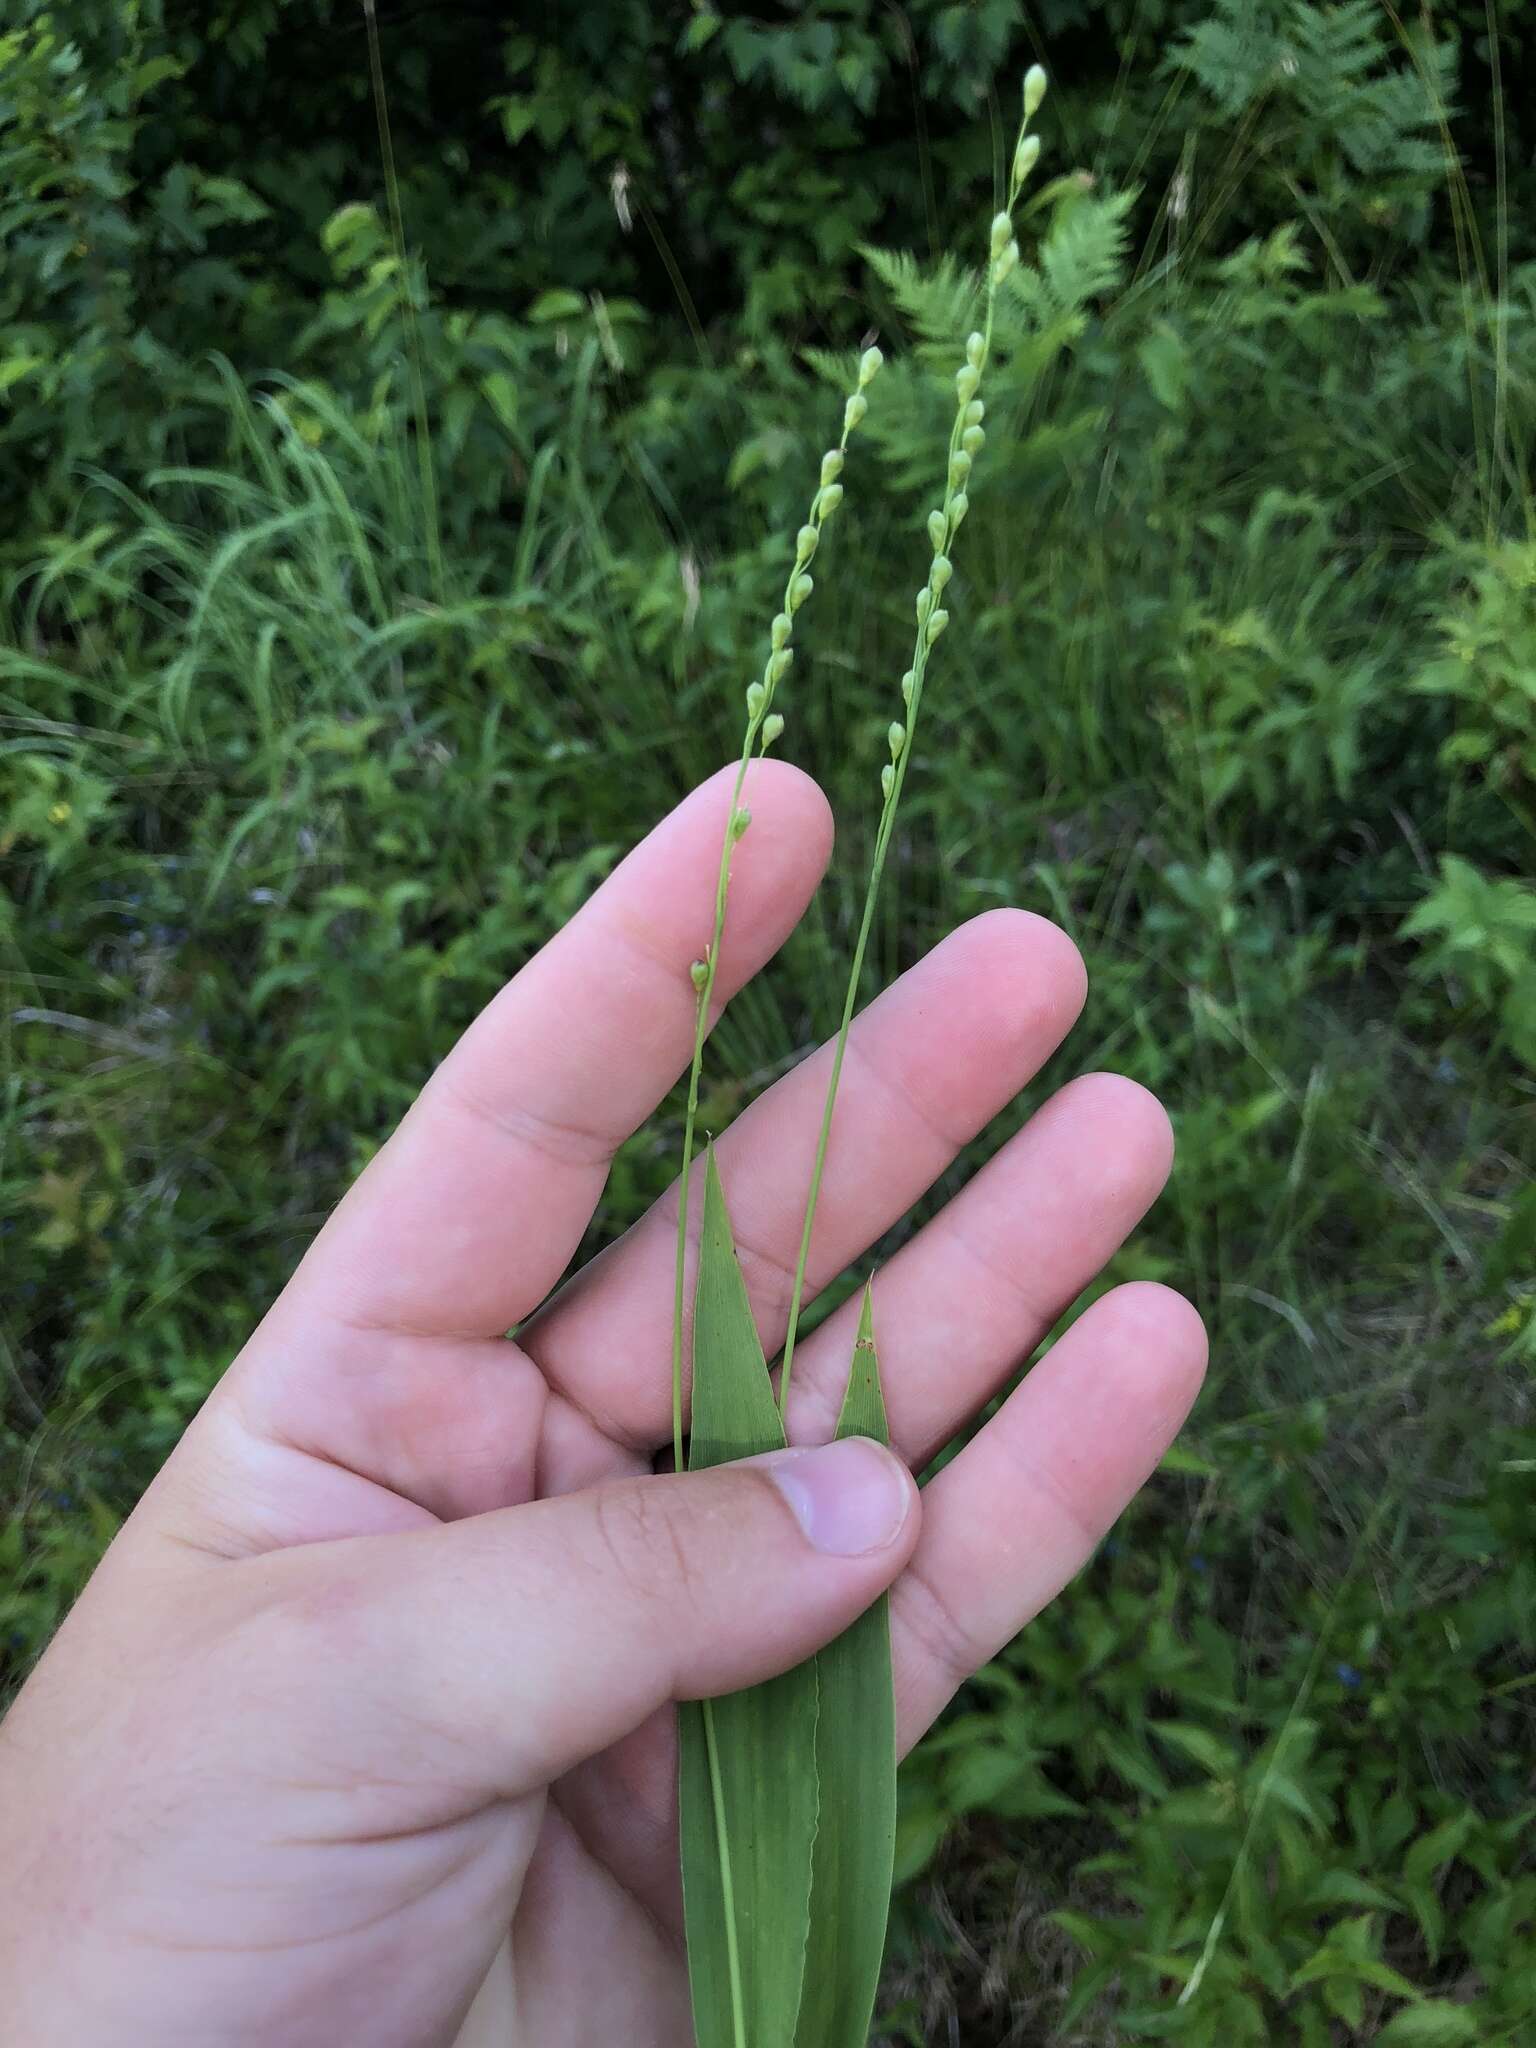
column 536, row 1636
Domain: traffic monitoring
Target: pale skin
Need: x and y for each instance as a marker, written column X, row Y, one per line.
column 363, row 1730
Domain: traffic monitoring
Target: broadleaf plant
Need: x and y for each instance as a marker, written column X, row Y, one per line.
column 788, row 1790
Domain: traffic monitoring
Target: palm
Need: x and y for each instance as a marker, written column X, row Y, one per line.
column 382, row 1394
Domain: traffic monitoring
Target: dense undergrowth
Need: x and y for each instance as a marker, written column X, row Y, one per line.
column 299, row 757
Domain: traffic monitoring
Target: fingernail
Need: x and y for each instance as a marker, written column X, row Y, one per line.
column 849, row 1497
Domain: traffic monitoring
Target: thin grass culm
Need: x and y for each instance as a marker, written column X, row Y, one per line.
column 966, row 440
column 763, row 727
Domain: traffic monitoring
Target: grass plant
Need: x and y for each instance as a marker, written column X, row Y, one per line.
column 788, row 1791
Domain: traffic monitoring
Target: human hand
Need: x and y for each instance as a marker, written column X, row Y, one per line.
column 362, row 1732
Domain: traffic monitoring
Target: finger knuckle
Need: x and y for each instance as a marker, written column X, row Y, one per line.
column 641, row 1541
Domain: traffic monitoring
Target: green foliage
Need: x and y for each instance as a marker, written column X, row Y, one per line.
column 1348, row 111
column 1481, row 936
column 1287, row 1788
column 1486, row 666
column 1244, row 691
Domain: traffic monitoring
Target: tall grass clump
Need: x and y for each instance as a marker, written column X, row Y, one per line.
column 788, row 1790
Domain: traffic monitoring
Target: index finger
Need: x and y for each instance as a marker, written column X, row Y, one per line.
column 471, row 1212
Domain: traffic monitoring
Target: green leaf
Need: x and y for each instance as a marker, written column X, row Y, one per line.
column 746, row 1763
column 855, row 1848
column 557, row 305
column 920, row 1828
column 231, row 199
column 1214, row 1756
column 1346, row 1888
column 14, row 368
column 1431, row 2025
column 1179, row 1458
column 501, row 396
column 1432, row 1851
column 1166, row 363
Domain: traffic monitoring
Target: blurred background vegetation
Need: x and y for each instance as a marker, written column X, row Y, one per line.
column 313, row 725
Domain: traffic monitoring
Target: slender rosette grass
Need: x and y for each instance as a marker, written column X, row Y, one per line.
column 966, row 441
column 763, row 728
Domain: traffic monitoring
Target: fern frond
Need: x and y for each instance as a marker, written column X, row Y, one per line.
column 938, row 304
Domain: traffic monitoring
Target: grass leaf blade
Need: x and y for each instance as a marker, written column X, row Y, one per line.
column 747, row 1784
column 855, row 1847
